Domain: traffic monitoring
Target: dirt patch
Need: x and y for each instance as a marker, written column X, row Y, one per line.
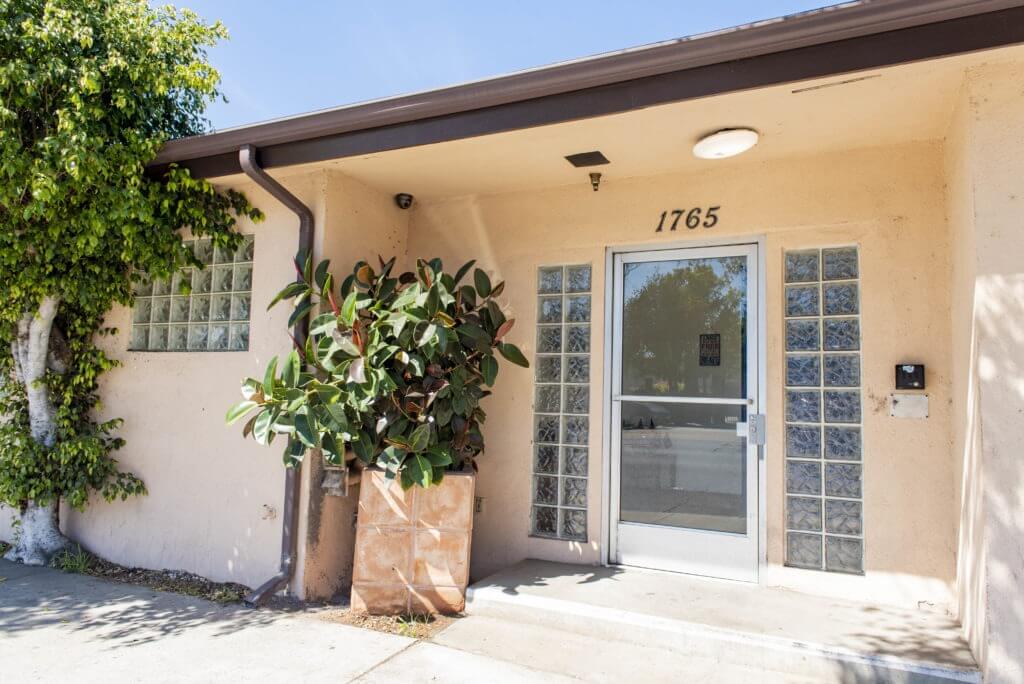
column 414, row 626
column 176, row 581
column 180, row 582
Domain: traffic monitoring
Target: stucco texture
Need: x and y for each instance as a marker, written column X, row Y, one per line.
column 354, row 222
column 214, row 502
column 888, row 201
column 985, row 169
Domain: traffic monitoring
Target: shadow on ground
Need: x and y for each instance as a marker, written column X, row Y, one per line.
column 541, row 574
column 118, row 615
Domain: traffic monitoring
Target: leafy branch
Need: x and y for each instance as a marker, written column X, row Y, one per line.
column 393, row 370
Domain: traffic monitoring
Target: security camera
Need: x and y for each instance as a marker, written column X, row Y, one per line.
column 403, row 200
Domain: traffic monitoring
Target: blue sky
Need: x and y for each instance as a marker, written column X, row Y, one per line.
column 293, row 57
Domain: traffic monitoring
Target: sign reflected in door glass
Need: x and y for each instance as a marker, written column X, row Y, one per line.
column 684, row 328
column 711, row 350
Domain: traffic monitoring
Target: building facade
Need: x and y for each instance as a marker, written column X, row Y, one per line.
column 726, row 355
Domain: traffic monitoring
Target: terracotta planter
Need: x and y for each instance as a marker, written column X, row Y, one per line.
column 412, row 547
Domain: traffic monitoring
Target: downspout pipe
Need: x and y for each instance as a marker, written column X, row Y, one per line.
column 247, row 159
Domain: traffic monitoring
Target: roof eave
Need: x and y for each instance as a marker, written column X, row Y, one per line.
column 214, row 153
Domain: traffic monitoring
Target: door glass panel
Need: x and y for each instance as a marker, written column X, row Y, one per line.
column 682, row 465
column 684, row 326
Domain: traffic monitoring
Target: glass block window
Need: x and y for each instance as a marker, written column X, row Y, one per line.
column 823, row 479
column 561, row 403
column 214, row 316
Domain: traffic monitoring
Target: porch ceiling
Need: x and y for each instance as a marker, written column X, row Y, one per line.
column 884, row 107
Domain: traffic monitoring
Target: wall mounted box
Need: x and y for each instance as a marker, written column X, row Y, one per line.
column 910, row 376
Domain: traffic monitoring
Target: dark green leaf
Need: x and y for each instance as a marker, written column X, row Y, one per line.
column 293, row 453
column 338, row 418
column 290, row 290
column 433, row 303
column 320, row 277
column 332, row 453
column 489, row 369
column 474, row 336
column 439, row 456
column 420, row 438
column 364, row 447
column 512, row 353
column 468, row 297
column 482, row 282
column 419, row 470
column 461, row 273
column 301, row 310
column 305, row 430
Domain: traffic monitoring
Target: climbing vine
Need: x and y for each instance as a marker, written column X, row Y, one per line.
column 90, row 90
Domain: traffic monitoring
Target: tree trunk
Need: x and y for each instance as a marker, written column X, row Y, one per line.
column 40, row 537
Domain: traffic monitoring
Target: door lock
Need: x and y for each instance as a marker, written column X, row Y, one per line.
column 754, row 429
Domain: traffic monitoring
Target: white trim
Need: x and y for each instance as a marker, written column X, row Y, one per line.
column 683, row 400
column 611, row 399
column 607, row 530
column 762, row 403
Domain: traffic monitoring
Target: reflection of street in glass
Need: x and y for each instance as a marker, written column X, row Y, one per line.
column 683, row 466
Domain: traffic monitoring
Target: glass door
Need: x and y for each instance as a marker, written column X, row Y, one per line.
column 684, row 380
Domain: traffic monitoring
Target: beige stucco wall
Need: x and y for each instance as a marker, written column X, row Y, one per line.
column 987, row 217
column 356, row 223
column 214, row 503
column 215, row 500
column 888, row 201
column 966, row 409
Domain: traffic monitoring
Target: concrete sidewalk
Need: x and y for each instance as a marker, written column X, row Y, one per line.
column 61, row 627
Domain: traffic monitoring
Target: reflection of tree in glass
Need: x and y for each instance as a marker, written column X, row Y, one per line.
column 668, row 305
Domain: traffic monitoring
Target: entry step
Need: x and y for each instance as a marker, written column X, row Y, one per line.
column 735, row 625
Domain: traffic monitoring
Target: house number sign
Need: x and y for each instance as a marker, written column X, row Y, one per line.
column 691, row 218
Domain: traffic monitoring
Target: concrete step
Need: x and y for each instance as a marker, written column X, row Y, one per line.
column 554, row 654
column 764, row 657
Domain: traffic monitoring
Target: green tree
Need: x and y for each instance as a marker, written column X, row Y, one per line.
column 89, row 92
column 664, row 315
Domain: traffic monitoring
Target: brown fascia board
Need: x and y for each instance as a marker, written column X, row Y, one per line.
column 832, row 40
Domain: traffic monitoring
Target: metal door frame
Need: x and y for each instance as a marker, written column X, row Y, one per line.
column 609, row 491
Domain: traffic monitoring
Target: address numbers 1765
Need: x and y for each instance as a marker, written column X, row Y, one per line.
column 692, row 219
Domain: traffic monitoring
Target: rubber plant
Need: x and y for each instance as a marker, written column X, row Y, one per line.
column 394, row 370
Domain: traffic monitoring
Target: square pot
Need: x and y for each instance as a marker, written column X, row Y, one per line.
column 412, row 546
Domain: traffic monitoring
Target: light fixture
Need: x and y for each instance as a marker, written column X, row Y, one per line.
column 727, row 142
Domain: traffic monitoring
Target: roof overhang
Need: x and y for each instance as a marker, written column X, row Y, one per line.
column 834, row 40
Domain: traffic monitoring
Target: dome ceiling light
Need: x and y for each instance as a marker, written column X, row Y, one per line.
column 727, row 142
